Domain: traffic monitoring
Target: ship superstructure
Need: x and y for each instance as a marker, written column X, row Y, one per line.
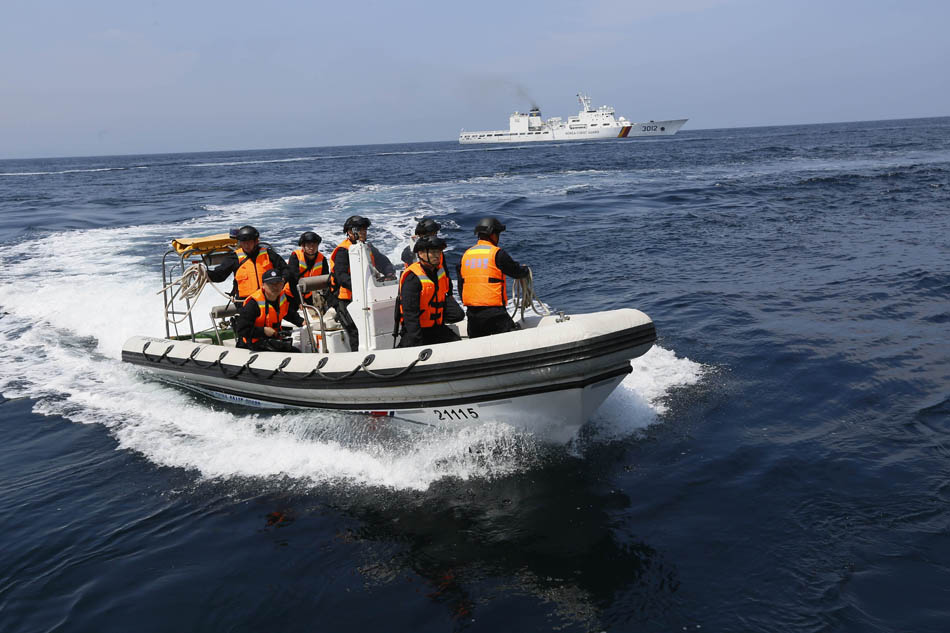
column 588, row 124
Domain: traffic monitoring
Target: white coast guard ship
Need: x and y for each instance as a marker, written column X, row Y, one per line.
column 589, row 124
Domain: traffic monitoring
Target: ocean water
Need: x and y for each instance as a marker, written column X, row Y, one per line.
column 780, row 461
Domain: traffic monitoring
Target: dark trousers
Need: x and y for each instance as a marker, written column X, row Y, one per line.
column 346, row 321
column 273, row 345
column 488, row 320
column 430, row 336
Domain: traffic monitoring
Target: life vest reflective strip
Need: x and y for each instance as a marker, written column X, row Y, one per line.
column 306, row 270
column 344, row 294
column 431, row 297
column 483, row 283
column 267, row 316
column 249, row 272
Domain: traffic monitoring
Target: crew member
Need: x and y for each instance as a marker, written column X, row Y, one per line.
column 257, row 325
column 341, row 286
column 306, row 261
column 248, row 263
column 482, row 281
column 427, row 227
column 424, row 290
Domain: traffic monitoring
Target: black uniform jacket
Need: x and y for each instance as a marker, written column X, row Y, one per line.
column 411, row 310
column 293, row 270
column 244, row 321
column 341, row 266
column 408, row 257
column 230, row 265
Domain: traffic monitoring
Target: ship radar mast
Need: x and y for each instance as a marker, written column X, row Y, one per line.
column 585, row 102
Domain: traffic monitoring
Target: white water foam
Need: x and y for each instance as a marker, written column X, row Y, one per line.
column 62, row 341
column 67, row 171
column 640, row 399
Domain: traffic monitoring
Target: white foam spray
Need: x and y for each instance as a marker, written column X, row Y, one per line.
column 62, row 341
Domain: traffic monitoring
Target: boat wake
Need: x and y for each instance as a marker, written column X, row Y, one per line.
column 62, row 343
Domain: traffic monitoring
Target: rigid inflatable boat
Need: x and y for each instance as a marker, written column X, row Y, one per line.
column 546, row 378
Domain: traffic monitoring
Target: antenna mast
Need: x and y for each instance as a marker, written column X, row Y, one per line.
column 585, row 102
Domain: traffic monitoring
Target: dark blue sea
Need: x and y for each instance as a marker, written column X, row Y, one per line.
column 780, row 461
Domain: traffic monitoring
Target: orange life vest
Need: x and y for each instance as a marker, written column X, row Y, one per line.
column 304, row 270
column 267, row 316
column 344, row 294
column 483, row 283
column 431, row 297
column 249, row 272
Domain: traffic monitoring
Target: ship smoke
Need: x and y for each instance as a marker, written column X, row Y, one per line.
column 496, row 89
column 523, row 93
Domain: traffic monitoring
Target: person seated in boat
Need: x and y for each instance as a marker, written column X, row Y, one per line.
column 427, row 227
column 482, row 282
column 425, row 289
column 257, row 325
column 306, row 261
column 248, row 264
column 341, row 289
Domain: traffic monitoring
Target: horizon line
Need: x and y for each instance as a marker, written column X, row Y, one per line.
column 305, row 147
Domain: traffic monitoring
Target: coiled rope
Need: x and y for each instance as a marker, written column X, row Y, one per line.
column 190, row 285
column 523, row 296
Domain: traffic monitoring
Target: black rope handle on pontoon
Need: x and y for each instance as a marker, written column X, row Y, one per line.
column 160, row 358
column 241, row 370
column 349, row 374
column 424, row 355
column 198, row 364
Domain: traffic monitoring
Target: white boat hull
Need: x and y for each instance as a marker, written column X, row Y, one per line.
column 552, row 414
column 547, row 379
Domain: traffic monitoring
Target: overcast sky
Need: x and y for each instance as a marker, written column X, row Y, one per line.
column 120, row 77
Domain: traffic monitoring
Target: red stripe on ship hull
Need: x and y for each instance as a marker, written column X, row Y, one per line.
column 624, row 131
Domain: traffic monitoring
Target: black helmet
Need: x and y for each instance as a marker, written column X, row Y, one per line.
column 308, row 236
column 489, row 225
column 355, row 222
column 246, row 233
column 428, row 243
column 427, row 226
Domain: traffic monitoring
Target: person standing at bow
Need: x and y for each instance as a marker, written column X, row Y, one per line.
column 482, row 281
column 306, row 261
column 248, row 264
column 257, row 325
column 424, row 289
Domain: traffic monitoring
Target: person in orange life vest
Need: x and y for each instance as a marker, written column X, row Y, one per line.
column 306, row 261
column 248, row 264
column 424, row 289
column 427, row 227
column 341, row 289
column 482, row 281
column 257, row 325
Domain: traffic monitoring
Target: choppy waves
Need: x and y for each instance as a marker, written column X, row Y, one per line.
column 67, row 359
